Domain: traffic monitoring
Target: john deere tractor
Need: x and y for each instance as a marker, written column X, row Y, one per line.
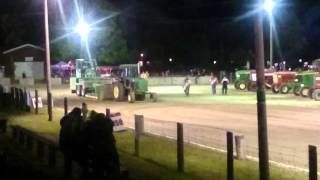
column 303, row 83
column 314, row 92
column 128, row 84
column 123, row 85
column 247, row 79
column 242, row 78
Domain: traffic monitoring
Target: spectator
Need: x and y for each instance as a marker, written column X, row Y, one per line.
column 225, row 82
column 186, row 86
column 213, row 83
column 100, row 145
column 70, row 127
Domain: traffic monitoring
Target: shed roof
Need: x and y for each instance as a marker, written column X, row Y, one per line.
column 23, row 46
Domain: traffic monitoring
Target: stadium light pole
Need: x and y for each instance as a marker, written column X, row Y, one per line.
column 48, row 61
column 261, row 98
column 269, row 6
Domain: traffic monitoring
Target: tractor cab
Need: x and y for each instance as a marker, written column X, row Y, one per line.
column 86, row 68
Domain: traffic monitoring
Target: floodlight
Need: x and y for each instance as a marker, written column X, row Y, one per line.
column 83, row 28
column 269, row 5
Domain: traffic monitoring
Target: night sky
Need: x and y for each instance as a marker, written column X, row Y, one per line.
column 193, row 33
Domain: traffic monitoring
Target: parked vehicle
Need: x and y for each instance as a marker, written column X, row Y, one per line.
column 282, row 81
column 125, row 82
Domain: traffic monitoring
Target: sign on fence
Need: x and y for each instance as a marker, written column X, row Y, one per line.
column 40, row 105
column 118, row 124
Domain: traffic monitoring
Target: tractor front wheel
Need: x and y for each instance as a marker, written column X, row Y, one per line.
column 284, row 89
column 275, row 88
column 242, row 86
column 304, row 92
column 131, row 97
column 316, row 94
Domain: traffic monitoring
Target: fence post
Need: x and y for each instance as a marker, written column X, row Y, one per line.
column 25, row 95
column 180, row 149
column 16, row 98
column 12, row 96
column 313, row 174
column 108, row 113
column 84, row 110
column 65, row 105
column 138, row 131
column 50, row 104
column 36, row 100
column 229, row 156
column 240, row 152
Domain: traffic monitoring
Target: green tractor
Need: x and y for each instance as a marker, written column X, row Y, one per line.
column 303, row 83
column 246, row 79
column 128, row 84
column 123, row 85
column 242, row 78
column 314, row 92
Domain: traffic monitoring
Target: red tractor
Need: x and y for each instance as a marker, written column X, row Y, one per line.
column 282, row 81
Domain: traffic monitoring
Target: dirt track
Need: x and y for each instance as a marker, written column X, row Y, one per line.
column 291, row 128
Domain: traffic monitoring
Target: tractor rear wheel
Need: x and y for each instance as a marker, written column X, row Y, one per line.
column 304, row 92
column 118, row 91
column 242, row 86
column 310, row 93
column 296, row 91
column 275, row 88
column 316, row 94
column 284, row 89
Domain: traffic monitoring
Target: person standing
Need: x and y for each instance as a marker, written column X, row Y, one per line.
column 186, row 86
column 213, row 83
column 225, row 82
column 70, row 127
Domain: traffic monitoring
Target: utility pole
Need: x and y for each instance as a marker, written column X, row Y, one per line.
column 261, row 98
column 48, row 64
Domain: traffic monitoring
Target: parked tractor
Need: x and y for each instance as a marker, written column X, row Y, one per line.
column 283, row 81
column 303, row 83
column 247, row 79
column 242, row 78
column 314, row 92
column 124, row 84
